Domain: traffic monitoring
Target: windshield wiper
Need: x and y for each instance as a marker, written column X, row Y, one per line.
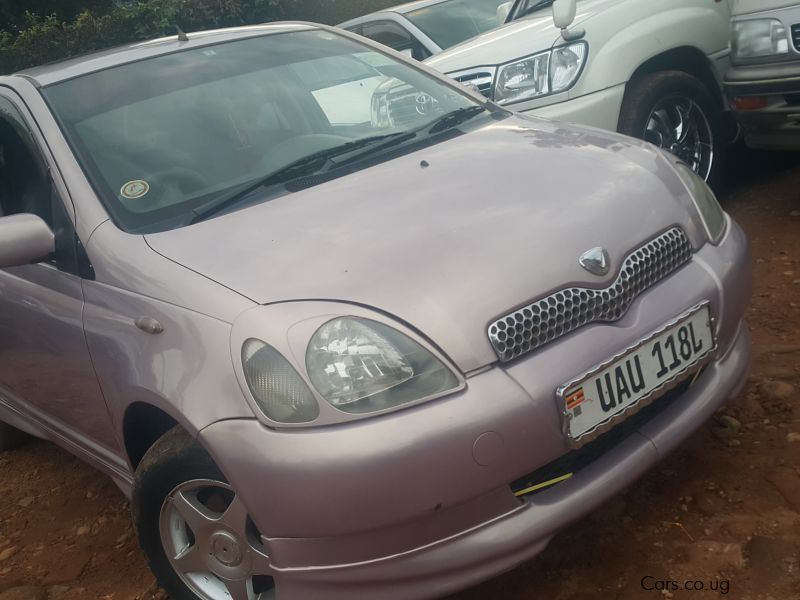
column 313, row 163
column 455, row 118
column 534, row 7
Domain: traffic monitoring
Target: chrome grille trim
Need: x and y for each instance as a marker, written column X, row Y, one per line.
column 539, row 323
column 796, row 36
column 482, row 78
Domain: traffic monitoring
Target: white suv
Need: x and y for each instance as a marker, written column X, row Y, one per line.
column 647, row 68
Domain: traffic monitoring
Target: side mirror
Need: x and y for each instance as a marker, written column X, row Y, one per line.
column 503, row 11
column 564, row 13
column 24, row 239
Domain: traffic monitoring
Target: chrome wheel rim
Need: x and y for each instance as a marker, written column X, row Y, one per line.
column 679, row 125
column 212, row 545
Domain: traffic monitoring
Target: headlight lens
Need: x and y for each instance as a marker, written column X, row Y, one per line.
column 541, row 74
column 277, row 388
column 710, row 211
column 362, row 366
column 759, row 38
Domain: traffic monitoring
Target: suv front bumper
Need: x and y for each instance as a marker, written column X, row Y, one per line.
column 775, row 92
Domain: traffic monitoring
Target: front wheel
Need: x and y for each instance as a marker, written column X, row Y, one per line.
column 675, row 111
column 194, row 528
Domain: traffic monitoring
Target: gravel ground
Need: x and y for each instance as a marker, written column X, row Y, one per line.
column 724, row 511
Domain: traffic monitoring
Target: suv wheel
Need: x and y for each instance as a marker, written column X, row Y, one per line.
column 675, row 111
column 193, row 527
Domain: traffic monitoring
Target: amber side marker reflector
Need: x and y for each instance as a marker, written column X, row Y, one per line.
column 748, row 102
column 544, row 484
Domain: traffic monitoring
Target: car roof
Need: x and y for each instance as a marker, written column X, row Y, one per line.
column 89, row 63
column 412, row 6
column 401, row 9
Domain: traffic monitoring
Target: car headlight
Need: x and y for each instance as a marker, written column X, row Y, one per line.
column 542, row 74
column 711, row 212
column 277, row 388
column 758, row 38
column 362, row 366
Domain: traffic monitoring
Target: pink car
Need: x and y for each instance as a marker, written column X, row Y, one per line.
column 338, row 326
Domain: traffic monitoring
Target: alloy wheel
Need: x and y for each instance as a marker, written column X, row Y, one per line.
column 212, row 545
column 679, row 125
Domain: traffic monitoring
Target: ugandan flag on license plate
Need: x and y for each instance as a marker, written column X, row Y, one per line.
column 575, row 399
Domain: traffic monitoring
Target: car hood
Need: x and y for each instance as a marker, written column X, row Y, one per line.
column 514, row 40
column 498, row 218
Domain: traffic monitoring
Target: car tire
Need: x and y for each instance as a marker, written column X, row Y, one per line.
column 11, row 437
column 655, row 105
column 187, row 517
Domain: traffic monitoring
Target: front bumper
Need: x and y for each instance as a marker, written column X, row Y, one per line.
column 775, row 125
column 417, row 504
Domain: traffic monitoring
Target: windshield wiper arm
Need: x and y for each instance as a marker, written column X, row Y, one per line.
column 298, row 168
column 455, row 118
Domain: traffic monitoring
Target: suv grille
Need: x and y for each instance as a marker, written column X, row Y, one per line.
column 483, row 79
column 796, row 36
column 558, row 314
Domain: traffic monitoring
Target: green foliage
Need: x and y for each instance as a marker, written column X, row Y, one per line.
column 41, row 39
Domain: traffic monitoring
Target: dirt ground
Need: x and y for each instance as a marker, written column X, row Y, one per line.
column 723, row 512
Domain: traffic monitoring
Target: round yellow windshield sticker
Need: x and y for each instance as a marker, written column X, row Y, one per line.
column 134, row 189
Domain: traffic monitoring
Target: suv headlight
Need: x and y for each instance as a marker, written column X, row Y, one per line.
column 363, row 366
column 711, row 212
column 542, row 74
column 759, row 38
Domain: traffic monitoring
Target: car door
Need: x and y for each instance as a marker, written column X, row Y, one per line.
column 46, row 372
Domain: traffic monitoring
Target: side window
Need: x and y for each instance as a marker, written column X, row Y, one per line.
column 396, row 37
column 25, row 185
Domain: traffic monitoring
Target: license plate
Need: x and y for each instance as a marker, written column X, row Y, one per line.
column 617, row 388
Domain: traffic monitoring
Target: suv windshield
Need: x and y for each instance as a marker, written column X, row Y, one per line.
column 167, row 136
column 454, row 21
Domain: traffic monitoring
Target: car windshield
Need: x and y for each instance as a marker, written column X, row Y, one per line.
column 454, row 21
column 162, row 137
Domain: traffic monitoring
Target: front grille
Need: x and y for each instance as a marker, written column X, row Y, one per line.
column 558, row 314
column 574, row 461
column 796, row 36
column 482, row 80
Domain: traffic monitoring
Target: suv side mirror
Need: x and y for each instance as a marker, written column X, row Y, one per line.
column 503, row 11
column 24, row 239
column 564, row 13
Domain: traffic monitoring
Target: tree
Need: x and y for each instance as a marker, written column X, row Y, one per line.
column 13, row 12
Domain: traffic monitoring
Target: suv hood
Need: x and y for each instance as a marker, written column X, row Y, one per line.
column 532, row 34
column 745, row 7
column 498, row 218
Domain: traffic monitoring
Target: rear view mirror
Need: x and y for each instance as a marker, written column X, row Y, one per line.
column 503, row 11
column 564, row 13
column 24, row 239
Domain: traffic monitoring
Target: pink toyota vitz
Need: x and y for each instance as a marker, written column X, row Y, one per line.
column 339, row 327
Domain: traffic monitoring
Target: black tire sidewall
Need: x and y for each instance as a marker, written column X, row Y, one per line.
column 644, row 93
column 174, row 459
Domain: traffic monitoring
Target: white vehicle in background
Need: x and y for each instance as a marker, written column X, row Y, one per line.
column 426, row 27
column 651, row 69
column 764, row 83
